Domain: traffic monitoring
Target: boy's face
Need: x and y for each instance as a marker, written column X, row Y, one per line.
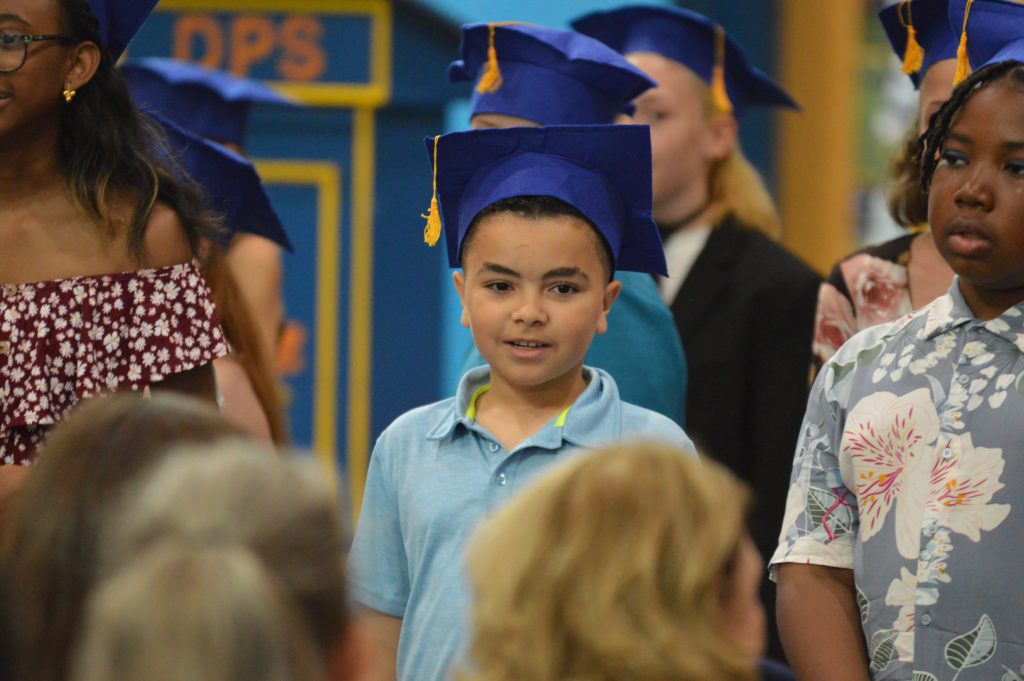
column 534, row 293
column 976, row 200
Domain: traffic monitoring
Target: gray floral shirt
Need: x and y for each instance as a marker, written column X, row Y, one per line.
column 908, row 471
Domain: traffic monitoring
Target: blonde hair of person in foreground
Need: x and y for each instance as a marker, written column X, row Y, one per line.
column 631, row 562
column 284, row 511
column 203, row 614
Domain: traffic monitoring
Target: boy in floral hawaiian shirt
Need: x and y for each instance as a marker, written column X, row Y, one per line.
column 904, row 518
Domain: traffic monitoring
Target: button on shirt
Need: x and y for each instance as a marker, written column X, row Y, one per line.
column 435, row 474
column 909, row 471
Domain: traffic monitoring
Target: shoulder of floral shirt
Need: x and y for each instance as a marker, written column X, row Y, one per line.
column 858, row 350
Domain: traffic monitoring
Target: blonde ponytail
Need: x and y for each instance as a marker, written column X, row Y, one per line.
column 738, row 189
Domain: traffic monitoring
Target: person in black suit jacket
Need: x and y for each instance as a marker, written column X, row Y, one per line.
column 743, row 305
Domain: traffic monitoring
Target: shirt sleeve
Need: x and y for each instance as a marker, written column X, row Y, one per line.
column 378, row 569
column 821, row 520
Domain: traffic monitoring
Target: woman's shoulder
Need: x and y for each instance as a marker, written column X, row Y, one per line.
column 166, row 242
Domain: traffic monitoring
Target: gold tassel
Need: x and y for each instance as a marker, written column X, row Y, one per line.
column 913, row 55
column 719, row 95
column 491, row 79
column 963, row 64
column 432, row 232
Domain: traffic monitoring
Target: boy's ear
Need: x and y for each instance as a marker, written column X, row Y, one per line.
column 611, row 291
column 459, row 279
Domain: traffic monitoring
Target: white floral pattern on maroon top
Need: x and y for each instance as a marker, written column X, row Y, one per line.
column 64, row 340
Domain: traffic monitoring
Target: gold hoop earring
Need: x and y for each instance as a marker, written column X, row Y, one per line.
column 69, row 95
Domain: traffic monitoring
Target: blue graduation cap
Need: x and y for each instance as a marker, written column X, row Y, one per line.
column 604, row 171
column 545, row 75
column 920, row 34
column 119, row 21
column 993, row 31
column 231, row 183
column 694, row 41
column 212, row 104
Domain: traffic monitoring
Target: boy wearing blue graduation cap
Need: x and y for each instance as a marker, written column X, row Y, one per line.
column 539, row 220
column 532, row 75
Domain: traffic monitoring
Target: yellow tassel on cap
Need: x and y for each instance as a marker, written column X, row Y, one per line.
column 913, row 56
column 719, row 95
column 491, row 79
column 432, row 232
column 963, row 64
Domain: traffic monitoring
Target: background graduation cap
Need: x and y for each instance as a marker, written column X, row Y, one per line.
column 694, row 41
column 231, row 183
column 920, row 34
column 545, row 75
column 210, row 103
column 993, row 31
column 119, row 21
column 604, row 171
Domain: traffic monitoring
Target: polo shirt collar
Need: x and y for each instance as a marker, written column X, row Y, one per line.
column 594, row 418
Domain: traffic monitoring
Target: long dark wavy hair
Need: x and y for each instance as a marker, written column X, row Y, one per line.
column 110, row 151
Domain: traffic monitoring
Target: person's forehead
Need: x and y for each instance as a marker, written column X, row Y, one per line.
column 994, row 106
column 36, row 12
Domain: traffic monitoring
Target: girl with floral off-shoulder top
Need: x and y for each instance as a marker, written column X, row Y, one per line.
column 99, row 290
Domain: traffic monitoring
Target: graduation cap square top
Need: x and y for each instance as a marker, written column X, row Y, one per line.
column 920, row 34
column 694, row 41
column 604, row 171
column 232, row 185
column 992, row 32
column 210, row 103
column 119, row 21
column 545, row 75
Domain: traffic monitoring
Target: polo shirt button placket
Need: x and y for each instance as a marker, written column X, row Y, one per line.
column 501, row 479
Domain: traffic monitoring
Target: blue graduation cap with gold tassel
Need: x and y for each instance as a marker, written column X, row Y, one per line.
column 920, row 34
column 694, row 41
column 604, row 171
column 545, row 75
column 991, row 31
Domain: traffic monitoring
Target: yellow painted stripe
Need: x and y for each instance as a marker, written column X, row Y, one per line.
column 360, row 347
column 820, row 42
column 326, row 177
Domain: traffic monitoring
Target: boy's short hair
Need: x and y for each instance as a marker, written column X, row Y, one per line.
column 536, row 208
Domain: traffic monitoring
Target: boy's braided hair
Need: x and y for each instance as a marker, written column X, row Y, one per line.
column 929, row 145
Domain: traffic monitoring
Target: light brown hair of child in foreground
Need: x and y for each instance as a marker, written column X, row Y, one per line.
column 631, row 562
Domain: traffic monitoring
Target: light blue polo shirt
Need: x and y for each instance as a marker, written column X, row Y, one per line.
column 435, row 474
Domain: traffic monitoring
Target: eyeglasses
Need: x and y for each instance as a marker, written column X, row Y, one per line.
column 14, row 48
